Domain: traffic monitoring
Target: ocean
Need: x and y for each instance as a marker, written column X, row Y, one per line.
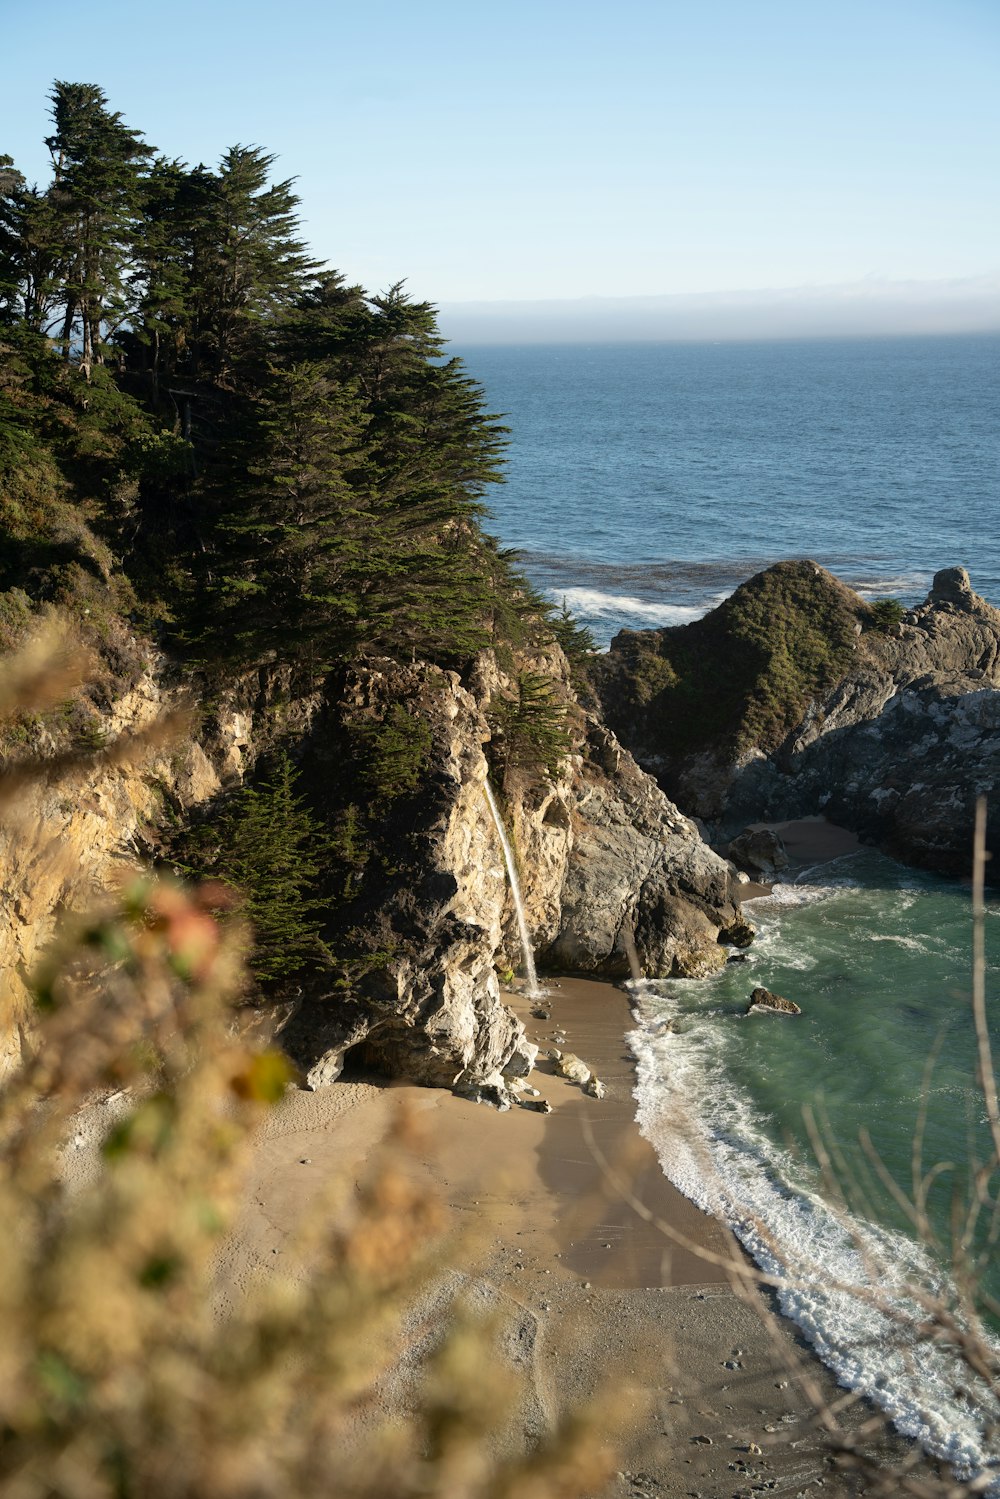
column 645, row 483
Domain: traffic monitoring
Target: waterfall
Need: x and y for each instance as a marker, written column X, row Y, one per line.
column 515, row 890
column 628, row 942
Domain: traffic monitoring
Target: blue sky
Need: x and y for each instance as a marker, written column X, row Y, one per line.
column 551, row 150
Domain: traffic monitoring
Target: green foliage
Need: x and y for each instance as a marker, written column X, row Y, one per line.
column 886, row 614
column 284, row 466
column 745, row 673
column 392, row 755
column 350, row 847
column 579, row 647
column 529, row 731
column 576, row 640
column 270, row 848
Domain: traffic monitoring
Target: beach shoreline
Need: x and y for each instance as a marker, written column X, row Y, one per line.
column 577, row 1234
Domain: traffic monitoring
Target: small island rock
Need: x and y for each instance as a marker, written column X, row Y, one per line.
column 763, row 999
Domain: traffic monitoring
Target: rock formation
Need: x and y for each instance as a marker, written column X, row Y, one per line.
column 763, row 999
column 892, row 729
column 604, row 857
column 67, row 839
column 602, row 854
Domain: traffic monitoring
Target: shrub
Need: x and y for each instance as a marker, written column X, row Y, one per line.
column 886, row 614
column 529, row 731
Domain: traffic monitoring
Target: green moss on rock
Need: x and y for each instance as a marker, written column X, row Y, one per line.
column 744, row 674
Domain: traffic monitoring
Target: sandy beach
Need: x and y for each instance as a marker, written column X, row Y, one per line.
column 567, row 1213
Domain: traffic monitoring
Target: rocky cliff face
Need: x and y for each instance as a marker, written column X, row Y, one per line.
column 604, row 858
column 84, row 829
column 602, row 854
column 897, row 747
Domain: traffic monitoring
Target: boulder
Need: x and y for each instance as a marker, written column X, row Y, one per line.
column 763, row 999
column 570, row 1067
column 521, row 1061
column 760, row 852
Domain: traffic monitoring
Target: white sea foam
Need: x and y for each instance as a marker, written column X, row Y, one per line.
column 595, row 603
column 790, row 896
column 844, row 1281
column 912, row 944
column 907, row 584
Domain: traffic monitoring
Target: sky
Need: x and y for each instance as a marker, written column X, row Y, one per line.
column 566, row 149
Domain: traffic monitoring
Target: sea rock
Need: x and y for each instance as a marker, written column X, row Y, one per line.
column 763, row 999
column 594, row 1087
column 760, row 852
column 570, row 1067
column 896, row 737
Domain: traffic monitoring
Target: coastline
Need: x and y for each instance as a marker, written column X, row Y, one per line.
column 599, row 1299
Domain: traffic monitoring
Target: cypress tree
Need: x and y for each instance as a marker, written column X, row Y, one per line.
column 97, row 163
column 271, row 852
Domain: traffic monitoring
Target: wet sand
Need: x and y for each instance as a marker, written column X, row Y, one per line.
column 813, row 840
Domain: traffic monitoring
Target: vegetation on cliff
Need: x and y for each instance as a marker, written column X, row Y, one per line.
column 264, row 460
column 745, row 673
column 209, row 437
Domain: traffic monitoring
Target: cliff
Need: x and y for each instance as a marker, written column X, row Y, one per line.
column 796, row 698
column 601, row 854
column 423, row 930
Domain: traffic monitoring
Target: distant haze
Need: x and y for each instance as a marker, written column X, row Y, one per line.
column 873, row 308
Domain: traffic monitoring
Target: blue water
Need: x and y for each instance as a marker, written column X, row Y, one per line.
column 645, row 481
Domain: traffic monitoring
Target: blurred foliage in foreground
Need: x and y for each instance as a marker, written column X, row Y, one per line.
column 124, row 1139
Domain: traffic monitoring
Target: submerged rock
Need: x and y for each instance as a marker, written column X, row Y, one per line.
column 763, row 999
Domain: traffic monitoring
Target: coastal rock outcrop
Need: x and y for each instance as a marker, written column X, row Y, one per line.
column 764, row 999
column 605, row 862
column 760, row 852
column 808, row 700
column 396, row 759
column 69, row 837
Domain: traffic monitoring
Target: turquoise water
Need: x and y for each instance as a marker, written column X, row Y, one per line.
column 879, row 959
column 645, row 481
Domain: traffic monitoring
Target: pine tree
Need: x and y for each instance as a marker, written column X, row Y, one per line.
column 32, row 253
column 292, row 540
column 271, row 852
column 248, row 262
column 98, row 162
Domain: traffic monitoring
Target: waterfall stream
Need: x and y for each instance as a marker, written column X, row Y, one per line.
column 531, row 976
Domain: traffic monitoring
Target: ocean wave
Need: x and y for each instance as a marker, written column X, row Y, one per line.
column 912, row 944
column 595, row 603
column 846, row 1284
column 908, row 585
column 789, row 897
